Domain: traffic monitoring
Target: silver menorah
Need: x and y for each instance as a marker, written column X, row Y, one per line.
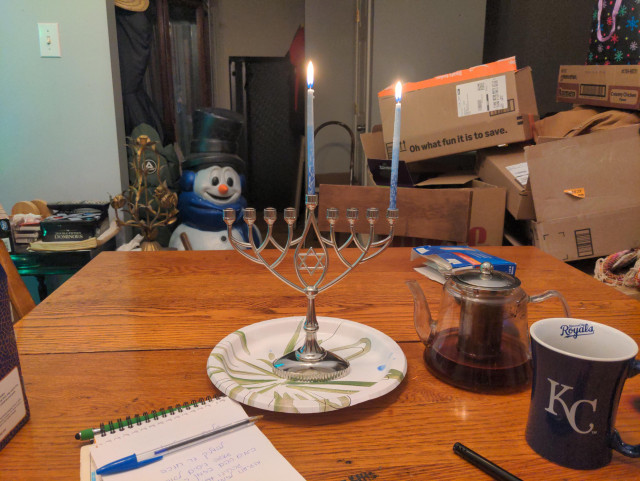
column 310, row 362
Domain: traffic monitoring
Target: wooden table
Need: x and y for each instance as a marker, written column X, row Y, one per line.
column 132, row 331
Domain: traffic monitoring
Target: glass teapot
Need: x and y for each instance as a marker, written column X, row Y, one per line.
column 480, row 340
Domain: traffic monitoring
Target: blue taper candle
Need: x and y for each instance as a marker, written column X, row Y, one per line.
column 311, row 168
column 395, row 149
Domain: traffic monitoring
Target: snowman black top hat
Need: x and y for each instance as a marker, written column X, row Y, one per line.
column 215, row 139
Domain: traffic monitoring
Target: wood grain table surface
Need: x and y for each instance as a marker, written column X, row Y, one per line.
column 132, row 332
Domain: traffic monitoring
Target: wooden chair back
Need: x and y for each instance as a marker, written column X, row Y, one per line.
column 21, row 300
column 435, row 214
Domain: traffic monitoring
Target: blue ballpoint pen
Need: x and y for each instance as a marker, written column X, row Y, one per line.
column 135, row 461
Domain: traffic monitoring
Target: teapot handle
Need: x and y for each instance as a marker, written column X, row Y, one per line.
column 422, row 320
column 546, row 295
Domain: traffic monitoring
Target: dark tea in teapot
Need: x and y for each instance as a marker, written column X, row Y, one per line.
column 508, row 370
column 480, row 340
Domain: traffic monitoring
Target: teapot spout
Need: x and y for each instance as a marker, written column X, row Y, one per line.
column 422, row 320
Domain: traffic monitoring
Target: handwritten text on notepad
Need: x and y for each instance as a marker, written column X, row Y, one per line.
column 213, row 464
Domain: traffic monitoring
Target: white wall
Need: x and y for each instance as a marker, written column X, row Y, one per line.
column 330, row 45
column 59, row 132
column 252, row 28
column 415, row 40
column 412, row 40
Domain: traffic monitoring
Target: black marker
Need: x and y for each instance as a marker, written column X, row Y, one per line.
column 493, row 470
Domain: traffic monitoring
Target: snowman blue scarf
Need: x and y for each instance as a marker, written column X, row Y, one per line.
column 204, row 215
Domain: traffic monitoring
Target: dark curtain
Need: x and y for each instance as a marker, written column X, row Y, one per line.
column 135, row 35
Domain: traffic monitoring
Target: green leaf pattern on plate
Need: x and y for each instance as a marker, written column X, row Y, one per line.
column 248, row 382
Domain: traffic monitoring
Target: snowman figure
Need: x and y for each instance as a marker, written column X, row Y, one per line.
column 205, row 194
column 212, row 180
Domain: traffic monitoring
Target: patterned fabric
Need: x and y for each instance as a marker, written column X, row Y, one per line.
column 615, row 33
column 8, row 350
column 620, row 269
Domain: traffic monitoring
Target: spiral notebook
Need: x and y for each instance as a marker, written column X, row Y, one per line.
column 242, row 455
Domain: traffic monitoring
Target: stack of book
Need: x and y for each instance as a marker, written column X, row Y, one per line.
column 25, row 230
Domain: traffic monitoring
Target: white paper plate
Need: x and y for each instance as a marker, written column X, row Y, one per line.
column 241, row 365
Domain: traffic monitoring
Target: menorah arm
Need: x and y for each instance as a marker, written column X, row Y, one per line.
column 357, row 241
column 283, row 250
column 350, row 266
column 241, row 247
column 271, row 268
column 289, row 242
column 332, row 242
column 380, row 245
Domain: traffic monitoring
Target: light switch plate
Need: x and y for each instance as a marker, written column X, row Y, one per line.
column 49, row 39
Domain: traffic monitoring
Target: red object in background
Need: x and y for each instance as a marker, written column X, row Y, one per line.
column 477, row 235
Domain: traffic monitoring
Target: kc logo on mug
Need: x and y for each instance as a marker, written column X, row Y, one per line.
column 570, row 412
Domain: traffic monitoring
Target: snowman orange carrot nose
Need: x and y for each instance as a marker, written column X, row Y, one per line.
column 223, row 189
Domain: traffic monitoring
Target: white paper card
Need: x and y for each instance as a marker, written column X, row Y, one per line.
column 244, row 454
column 432, row 274
column 520, row 172
column 484, row 95
column 12, row 406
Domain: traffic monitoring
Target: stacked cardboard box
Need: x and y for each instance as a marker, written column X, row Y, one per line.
column 577, row 190
column 575, row 197
column 585, row 192
column 447, row 116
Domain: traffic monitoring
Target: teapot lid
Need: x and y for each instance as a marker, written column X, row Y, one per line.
column 485, row 278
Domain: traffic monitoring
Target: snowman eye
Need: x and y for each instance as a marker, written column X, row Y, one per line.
column 230, row 181
column 215, row 181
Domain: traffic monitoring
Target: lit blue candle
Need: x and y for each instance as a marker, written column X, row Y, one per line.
column 311, row 168
column 395, row 150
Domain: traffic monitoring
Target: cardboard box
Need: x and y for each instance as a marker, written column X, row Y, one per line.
column 486, row 223
column 506, row 167
column 616, row 86
column 471, row 109
column 380, row 166
column 604, row 218
column 441, row 215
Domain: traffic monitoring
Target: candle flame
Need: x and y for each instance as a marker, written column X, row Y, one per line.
column 310, row 75
column 398, row 92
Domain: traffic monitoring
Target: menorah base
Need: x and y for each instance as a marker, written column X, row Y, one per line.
column 290, row 366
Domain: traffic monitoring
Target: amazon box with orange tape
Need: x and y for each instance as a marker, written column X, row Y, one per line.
column 480, row 107
column 585, row 193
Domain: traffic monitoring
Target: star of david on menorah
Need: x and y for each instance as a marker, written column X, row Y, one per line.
column 310, row 362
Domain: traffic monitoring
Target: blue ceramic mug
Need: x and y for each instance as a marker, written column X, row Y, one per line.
column 579, row 369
